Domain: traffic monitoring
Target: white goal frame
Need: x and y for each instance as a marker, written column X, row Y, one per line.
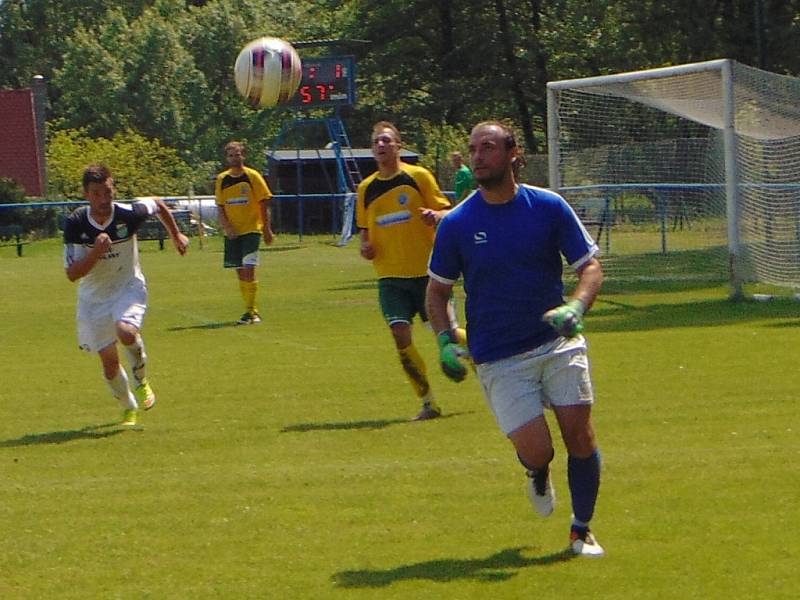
column 728, row 126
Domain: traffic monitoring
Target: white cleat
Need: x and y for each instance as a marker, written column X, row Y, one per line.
column 545, row 502
column 585, row 545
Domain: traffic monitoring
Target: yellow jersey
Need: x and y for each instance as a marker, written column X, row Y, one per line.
column 389, row 209
column 241, row 195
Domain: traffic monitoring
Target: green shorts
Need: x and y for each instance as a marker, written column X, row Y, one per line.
column 242, row 251
column 402, row 298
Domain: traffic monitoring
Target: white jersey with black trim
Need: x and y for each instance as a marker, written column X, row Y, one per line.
column 120, row 264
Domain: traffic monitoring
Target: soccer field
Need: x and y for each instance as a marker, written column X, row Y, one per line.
column 279, row 461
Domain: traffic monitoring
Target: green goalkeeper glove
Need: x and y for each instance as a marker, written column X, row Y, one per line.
column 450, row 355
column 566, row 319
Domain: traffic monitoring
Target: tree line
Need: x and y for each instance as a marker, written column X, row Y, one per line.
column 155, row 78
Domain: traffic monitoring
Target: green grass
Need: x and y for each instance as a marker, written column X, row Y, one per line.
column 279, row 463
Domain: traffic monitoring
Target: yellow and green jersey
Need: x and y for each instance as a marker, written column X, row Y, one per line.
column 390, row 210
column 241, row 195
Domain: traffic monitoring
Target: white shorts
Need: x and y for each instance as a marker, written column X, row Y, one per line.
column 520, row 387
column 97, row 320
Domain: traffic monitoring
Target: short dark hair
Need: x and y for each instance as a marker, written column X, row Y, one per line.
column 388, row 125
column 509, row 135
column 237, row 145
column 95, row 173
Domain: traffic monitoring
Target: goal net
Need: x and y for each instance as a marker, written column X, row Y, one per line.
column 690, row 172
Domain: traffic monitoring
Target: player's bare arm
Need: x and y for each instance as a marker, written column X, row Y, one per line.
column 82, row 267
column 432, row 217
column 266, row 218
column 164, row 214
column 367, row 249
column 230, row 232
column 451, row 352
column 437, row 299
column 590, row 278
column 567, row 319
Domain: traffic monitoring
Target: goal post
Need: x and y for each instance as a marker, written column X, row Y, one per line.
column 713, row 146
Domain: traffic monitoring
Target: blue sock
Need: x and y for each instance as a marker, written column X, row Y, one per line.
column 584, row 482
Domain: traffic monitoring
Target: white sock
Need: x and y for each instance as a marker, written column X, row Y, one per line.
column 120, row 390
column 137, row 358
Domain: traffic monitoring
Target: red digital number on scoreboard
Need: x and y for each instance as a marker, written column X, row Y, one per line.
column 326, row 81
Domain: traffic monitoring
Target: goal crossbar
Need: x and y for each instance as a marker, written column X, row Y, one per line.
column 756, row 115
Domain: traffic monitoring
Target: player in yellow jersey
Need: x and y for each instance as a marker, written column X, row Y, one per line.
column 397, row 210
column 242, row 198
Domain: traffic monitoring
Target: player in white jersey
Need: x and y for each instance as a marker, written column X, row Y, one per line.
column 101, row 249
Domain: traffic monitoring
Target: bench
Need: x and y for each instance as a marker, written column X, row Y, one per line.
column 152, row 229
column 597, row 212
column 11, row 235
column 594, row 212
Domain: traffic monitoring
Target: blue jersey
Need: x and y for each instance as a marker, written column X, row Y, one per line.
column 511, row 258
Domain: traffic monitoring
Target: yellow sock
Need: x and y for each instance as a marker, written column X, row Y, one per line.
column 415, row 370
column 248, row 290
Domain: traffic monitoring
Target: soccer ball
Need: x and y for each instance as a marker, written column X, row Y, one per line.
column 267, row 72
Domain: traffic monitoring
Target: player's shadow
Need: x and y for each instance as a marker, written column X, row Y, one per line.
column 609, row 315
column 362, row 284
column 350, row 425
column 283, row 247
column 90, row 432
column 219, row 325
column 501, row 566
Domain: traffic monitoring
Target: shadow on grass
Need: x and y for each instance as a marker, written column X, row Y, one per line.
column 349, row 425
column 500, row 566
column 90, row 432
column 283, row 247
column 368, row 284
column 220, row 325
column 610, row 316
column 684, row 267
column 364, row 284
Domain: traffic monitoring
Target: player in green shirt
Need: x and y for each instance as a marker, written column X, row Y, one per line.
column 464, row 181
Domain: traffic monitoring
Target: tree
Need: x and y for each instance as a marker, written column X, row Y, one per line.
column 141, row 167
column 92, row 81
column 516, row 75
column 167, row 95
column 163, row 68
column 32, row 33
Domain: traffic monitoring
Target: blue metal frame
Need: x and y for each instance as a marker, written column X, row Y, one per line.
column 348, row 175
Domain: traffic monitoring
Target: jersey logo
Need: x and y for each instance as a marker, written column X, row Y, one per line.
column 122, row 230
column 402, row 199
column 481, row 237
column 401, row 216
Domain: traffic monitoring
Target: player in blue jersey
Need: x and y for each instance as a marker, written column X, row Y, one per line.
column 507, row 241
column 101, row 250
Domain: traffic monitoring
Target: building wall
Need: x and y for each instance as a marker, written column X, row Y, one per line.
column 21, row 157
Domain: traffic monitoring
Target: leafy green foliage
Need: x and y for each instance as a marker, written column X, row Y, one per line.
column 10, row 191
column 92, row 81
column 163, row 68
column 40, row 221
column 141, row 167
column 436, row 142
